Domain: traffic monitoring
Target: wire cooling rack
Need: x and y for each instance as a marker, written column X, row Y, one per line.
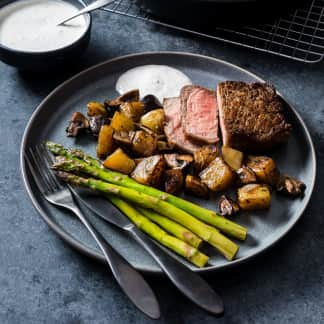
column 298, row 35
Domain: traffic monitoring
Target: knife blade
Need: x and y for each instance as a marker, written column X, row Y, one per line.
column 188, row 282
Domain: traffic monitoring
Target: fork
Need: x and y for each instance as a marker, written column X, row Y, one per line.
column 59, row 194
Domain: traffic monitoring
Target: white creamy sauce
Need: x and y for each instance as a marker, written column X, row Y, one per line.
column 31, row 25
column 160, row 80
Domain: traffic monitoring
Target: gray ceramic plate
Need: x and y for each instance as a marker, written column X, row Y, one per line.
column 98, row 83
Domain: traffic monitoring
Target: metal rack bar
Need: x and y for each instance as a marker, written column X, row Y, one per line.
column 298, row 35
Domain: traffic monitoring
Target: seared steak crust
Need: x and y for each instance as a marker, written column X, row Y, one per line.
column 251, row 116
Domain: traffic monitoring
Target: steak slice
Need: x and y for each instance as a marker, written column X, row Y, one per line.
column 173, row 126
column 199, row 114
column 251, row 116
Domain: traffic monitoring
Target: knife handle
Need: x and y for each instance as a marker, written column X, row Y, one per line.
column 131, row 281
column 188, row 282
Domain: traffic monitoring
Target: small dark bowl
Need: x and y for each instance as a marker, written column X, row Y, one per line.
column 47, row 60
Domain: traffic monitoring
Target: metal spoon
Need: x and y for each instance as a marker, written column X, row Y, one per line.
column 93, row 6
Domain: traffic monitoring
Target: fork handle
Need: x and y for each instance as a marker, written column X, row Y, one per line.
column 130, row 280
column 188, row 282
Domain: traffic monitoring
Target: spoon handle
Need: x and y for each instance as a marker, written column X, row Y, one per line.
column 93, row 6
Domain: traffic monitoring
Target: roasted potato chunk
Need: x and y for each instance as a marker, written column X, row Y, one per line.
column 133, row 109
column 150, row 171
column 218, row 176
column 173, row 181
column 264, row 168
column 232, row 157
column 121, row 123
column 105, row 141
column 119, row 161
column 254, row 196
column 228, row 206
column 144, row 144
column 154, row 120
column 204, row 156
column 96, row 109
column 246, row 175
column 194, row 186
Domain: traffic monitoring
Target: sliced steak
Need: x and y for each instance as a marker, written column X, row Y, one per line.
column 173, row 126
column 251, row 116
column 199, row 114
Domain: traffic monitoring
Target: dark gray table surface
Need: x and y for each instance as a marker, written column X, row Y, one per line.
column 42, row 280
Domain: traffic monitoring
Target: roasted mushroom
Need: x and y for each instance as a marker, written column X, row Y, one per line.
column 150, row 103
column 124, row 139
column 218, row 176
column 132, row 95
column 163, row 146
column 194, row 186
column 228, row 206
column 204, row 156
column 173, row 181
column 246, row 175
column 290, row 186
column 77, row 124
column 150, row 171
column 265, row 169
column 144, row 144
column 95, row 124
column 178, row 161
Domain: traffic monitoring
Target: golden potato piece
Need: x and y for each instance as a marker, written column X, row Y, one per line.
column 232, row 157
column 120, row 161
column 204, row 156
column 218, row 176
column 96, row 109
column 150, row 170
column 194, row 186
column 105, row 141
column 254, row 196
column 133, row 110
column 264, row 168
column 154, row 120
column 121, row 123
column 144, row 144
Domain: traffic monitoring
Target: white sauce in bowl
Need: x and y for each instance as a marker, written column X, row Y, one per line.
column 31, row 25
column 160, row 80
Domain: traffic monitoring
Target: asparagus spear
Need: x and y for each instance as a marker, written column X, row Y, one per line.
column 172, row 227
column 190, row 253
column 92, row 167
column 205, row 232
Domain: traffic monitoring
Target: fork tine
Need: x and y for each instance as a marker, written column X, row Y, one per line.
column 39, row 180
column 47, row 172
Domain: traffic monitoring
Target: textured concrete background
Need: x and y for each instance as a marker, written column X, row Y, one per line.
column 42, row 280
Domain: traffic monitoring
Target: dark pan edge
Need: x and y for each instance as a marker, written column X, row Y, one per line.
column 79, row 246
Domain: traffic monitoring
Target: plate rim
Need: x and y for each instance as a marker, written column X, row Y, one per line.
column 79, row 245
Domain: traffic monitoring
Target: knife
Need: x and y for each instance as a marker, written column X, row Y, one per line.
column 189, row 283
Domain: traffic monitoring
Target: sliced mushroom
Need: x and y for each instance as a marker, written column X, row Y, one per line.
column 132, row 95
column 77, row 124
column 290, row 186
column 124, row 139
column 246, row 175
column 204, row 156
column 173, row 181
column 95, row 124
column 178, row 161
column 228, row 206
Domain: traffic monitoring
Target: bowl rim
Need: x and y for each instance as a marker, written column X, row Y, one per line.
column 88, row 19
